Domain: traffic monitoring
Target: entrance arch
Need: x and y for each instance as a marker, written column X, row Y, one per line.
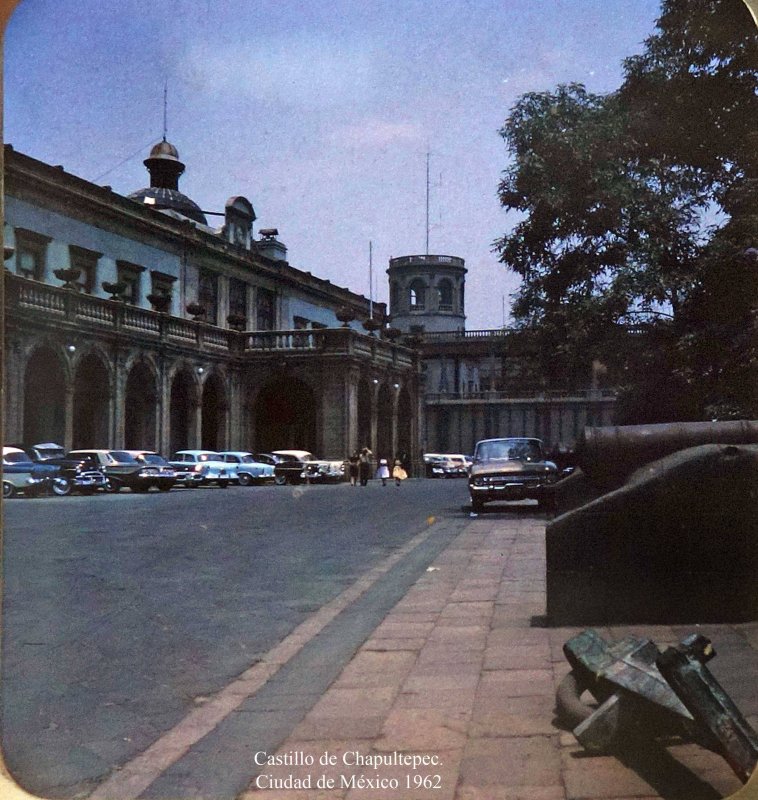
column 364, row 414
column 384, row 423
column 182, row 411
column 91, row 401
column 140, row 408
column 285, row 416
column 213, row 422
column 44, row 398
column 404, row 424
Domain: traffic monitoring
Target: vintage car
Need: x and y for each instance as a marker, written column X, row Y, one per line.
column 208, row 463
column 299, row 466
column 446, row 465
column 21, row 474
column 122, row 469
column 76, row 474
column 249, row 469
column 511, row 469
column 162, row 474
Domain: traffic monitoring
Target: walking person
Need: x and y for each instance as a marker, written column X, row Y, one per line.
column 398, row 472
column 354, row 467
column 364, row 465
column 383, row 472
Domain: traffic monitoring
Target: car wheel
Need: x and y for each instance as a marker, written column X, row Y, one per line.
column 476, row 504
column 112, row 487
column 8, row 489
column 245, row 479
column 280, row 480
column 223, row 484
column 62, row 487
column 164, row 488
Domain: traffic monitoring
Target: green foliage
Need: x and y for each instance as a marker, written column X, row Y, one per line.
column 615, row 192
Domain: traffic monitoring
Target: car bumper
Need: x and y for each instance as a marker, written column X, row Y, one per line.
column 510, row 490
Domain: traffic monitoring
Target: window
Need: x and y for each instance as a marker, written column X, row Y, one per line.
column 238, row 300
column 207, row 295
column 31, row 254
column 86, row 262
column 417, row 295
column 394, row 297
column 266, row 310
column 161, row 283
column 131, row 275
column 445, row 295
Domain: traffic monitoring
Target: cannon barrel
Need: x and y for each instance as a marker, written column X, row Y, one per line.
column 618, row 450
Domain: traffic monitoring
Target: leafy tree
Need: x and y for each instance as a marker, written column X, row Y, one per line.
column 616, row 193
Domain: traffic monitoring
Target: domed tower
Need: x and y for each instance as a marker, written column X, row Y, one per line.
column 426, row 293
column 165, row 168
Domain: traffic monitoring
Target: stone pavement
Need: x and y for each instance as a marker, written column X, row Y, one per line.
column 460, row 674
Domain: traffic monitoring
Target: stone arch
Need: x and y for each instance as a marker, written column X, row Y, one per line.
column 45, row 379
column 214, row 409
column 445, row 294
column 384, row 422
column 405, row 423
column 183, row 408
column 141, row 406
column 286, row 411
column 417, row 294
column 92, row 401
column 364, row 413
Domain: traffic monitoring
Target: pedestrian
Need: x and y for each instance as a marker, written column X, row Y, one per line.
column 383, row 471
column 354, row 467
column 364, row 465
column 398, row 472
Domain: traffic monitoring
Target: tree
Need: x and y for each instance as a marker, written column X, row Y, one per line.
column 618, row 194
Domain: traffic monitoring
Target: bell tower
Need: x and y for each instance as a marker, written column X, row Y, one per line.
column 427, row 293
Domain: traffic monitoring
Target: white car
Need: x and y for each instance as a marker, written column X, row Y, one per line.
column 249, row 471
column 297, row 466
column 209, row 463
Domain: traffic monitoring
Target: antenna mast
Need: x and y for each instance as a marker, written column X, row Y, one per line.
column 370, row 280
column 427, row 202
column 165, row 108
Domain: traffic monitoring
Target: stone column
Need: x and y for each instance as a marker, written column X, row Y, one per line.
column 117, row 408
column 163, row 417
column 68, row 413
column 335, row 413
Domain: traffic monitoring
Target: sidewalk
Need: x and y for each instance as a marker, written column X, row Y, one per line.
column 457, row 675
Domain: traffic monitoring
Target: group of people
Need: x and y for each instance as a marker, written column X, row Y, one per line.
column 361, row 466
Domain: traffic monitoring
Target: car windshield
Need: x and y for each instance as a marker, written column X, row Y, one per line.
column 509, row 450
column 123, row 457
column 50, row 452
column 152, row 458
column 15, row 458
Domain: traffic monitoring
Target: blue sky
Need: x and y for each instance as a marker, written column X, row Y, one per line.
column 321, row 114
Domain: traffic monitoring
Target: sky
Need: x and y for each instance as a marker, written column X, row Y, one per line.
column 321, row 114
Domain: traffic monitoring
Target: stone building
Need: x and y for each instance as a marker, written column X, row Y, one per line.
column 133, row 322
column 480, row 384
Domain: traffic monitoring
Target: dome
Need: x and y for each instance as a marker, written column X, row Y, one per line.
column 170, row 199
column 164, row 149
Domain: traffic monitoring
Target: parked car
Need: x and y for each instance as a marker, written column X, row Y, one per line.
column 446, row 465
column 122, row 469
column 297, row 466
column 249, row 470
column 21, row 474
column 76, row 474
column 267, row 458
column 511, row 469
column 212, row 466
column 162, row 473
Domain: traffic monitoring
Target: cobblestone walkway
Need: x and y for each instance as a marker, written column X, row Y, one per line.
column 461, row 675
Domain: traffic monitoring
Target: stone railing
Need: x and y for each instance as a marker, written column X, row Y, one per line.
column 523, row 393
column 54, row 305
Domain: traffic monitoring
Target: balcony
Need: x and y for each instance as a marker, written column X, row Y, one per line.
column 31, row 303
